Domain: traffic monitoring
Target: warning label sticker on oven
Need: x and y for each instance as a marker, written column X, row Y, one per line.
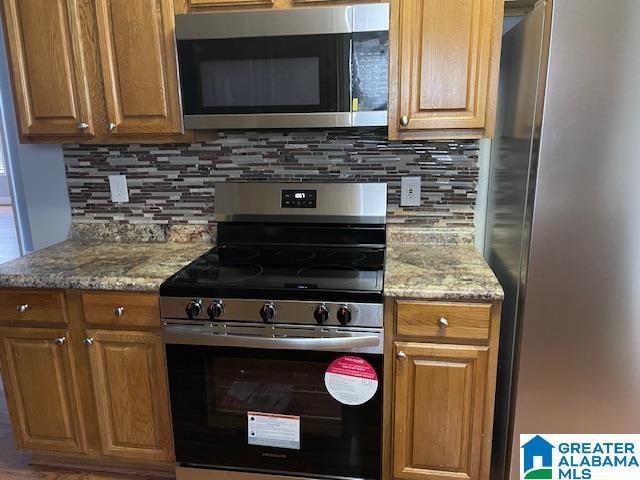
column 351, row 380
column 273, row 430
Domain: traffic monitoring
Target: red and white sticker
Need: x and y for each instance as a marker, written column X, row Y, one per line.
column 351, row 380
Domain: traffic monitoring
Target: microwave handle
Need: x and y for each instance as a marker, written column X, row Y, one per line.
column 181, row 335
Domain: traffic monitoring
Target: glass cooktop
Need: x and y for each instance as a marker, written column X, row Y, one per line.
column 290, row 272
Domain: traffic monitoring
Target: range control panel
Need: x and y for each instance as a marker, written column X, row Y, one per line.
column 299, row 198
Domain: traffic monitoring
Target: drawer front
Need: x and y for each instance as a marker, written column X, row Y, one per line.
column 444, row 320
column 121, row 309
column 32, row 306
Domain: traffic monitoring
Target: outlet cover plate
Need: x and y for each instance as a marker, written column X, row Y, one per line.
column 119, row 190
column 410, row 192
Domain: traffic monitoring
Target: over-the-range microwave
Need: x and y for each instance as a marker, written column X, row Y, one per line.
column 309, row 67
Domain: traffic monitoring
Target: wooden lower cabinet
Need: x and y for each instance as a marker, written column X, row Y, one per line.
column 78, row 393
column 440, row 364
column 438, row 406
column 41, row 389
column 129, row 378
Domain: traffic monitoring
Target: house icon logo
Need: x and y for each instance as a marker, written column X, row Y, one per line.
column 536, row 459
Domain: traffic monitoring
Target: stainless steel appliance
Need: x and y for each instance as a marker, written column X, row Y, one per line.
column 303, row 67
column 563, row 230
column 256, row 328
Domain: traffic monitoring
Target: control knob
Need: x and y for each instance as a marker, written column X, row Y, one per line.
column 215, row 310
column 344, row 315
column 321, row 314
column 193, row 308
column 267, row 312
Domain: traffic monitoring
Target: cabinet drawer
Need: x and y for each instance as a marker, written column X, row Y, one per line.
column 121, row 309
column 444, row 320
column 32, row 306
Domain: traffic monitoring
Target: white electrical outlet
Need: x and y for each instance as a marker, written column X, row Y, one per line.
column 119, row 190
column 410, row 192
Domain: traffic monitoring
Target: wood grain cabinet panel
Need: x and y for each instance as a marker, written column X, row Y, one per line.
column 442, row 56
column 438, row 410
column 32, row 306
column 121, row 309
column 129, row 377
column 41, row 389
column 48, row 67
column 227, row 3
column 139, row 64
column 443, row 320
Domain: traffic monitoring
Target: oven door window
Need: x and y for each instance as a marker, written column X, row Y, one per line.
column 298, row 74
column 212, row 389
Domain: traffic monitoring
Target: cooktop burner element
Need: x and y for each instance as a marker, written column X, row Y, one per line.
column 239, row 253
column 293, row 255
column 333, row 273
column 239, row 272
column 346, row 257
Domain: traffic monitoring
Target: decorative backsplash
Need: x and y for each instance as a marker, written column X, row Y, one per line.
column 175, row 184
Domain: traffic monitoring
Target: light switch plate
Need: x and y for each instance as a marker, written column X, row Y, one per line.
column 119, row 190
column 410, row 192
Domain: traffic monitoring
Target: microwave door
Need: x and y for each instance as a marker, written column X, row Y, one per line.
column 306, row 78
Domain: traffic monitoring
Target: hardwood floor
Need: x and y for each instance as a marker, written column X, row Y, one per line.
column 14, row 465
column 8, row 242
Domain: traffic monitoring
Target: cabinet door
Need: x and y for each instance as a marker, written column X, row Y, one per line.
column 48, row 67
column 129, row 377
column 444, row 51
column 40, row 387
column 439, row 397
column 139, row 66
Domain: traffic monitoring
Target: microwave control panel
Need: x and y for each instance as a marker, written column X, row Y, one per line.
column 299, row 198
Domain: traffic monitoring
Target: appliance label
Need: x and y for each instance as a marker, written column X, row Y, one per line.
column 272, row 430
column 351, row 380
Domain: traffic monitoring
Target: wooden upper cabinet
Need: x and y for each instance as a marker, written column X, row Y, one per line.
column 139, row 66
column 438, row 404
column 444, row 67
column 129, row 377
column 41, row 389
column 48, row 67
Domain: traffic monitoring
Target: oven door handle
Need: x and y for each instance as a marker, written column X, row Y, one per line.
column 179, row 335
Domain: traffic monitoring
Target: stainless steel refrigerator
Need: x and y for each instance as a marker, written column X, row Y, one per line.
column 563, row 224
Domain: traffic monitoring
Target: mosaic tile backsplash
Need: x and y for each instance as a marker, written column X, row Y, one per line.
column 175, row 184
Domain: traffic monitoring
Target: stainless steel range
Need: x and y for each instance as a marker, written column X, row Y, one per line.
column 275, row 337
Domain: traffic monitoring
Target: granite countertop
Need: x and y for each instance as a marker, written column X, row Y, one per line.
column 102, row 262
column 453, row 270
column 420, row 263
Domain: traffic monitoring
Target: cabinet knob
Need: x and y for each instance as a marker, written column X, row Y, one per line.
column 404, row 120
column 443, row 322
column 22, row 308
column 83, row 125
column 88, row 341
column 401, row 356
column 118, row 311
column 60, row 340
column 111, row 126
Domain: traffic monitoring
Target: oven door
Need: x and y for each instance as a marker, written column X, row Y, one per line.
column 270, row 411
